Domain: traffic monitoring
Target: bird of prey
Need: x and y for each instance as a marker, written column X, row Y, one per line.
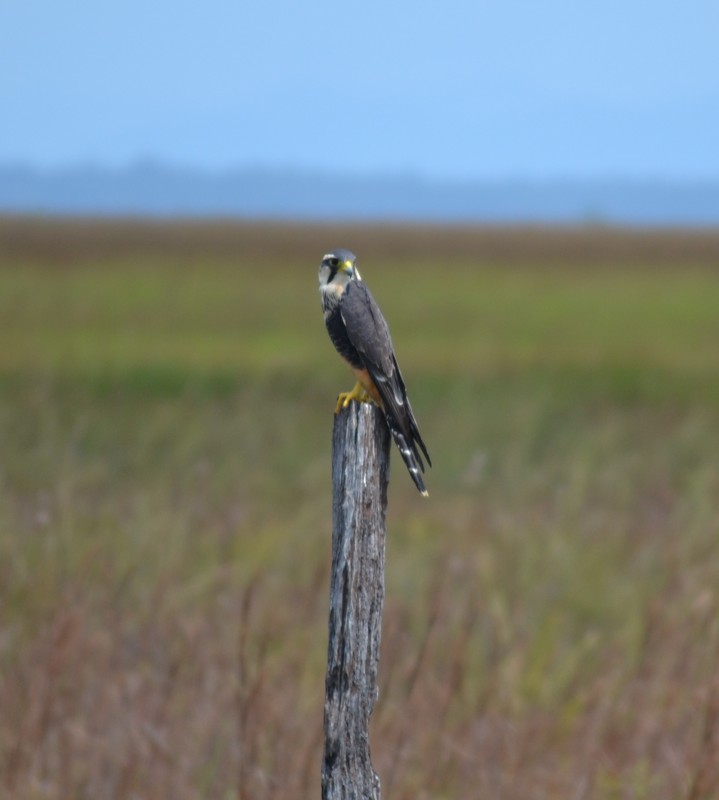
column 360, row 335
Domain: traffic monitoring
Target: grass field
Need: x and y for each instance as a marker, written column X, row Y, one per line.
column 551, row 622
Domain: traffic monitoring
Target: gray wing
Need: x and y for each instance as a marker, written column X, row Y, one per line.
column 369, row 333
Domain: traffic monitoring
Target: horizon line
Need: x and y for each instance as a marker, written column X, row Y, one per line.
column 404, row 175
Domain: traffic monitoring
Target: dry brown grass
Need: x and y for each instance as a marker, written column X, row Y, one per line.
column 56, row 241
column 195, row 703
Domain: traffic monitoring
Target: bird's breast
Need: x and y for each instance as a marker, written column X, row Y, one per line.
column 338, row 334
column 331, row 295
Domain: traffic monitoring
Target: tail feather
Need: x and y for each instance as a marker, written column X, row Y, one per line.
column 410, row 454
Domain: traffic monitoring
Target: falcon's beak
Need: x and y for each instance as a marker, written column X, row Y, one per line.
column 347, row 267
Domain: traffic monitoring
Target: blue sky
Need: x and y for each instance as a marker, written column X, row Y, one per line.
column 509, row 88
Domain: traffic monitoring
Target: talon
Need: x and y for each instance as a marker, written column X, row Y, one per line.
column 358, row 393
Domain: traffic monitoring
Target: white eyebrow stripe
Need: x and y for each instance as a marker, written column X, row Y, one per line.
column 327, row 255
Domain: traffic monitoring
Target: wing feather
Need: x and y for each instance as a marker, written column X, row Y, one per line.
column 368, row 331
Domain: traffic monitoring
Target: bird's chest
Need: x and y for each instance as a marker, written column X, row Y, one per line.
column 338, row 334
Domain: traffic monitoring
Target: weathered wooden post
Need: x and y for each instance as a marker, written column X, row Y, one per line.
column 360, row 465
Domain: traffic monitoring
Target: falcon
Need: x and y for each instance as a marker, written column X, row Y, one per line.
column 361, row 336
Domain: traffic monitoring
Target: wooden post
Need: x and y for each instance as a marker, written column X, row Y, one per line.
column 360, row 466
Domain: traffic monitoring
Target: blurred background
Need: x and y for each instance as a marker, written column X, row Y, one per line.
column 485, row 111
column 533, row 194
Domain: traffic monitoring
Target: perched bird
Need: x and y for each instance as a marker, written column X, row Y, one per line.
column 361, row 336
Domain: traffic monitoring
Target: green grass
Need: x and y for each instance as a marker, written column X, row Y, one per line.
column 551, row 625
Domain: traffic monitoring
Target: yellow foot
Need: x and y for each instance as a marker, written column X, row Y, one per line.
column 358, row 394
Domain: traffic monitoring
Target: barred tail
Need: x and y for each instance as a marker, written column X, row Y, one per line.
column 409, row 453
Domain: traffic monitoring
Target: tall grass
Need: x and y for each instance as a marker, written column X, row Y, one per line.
column 551, row 625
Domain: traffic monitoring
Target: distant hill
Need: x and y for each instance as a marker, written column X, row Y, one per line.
column 152, row 189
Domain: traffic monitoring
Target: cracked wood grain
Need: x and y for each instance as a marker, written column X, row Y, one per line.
column 360, row 467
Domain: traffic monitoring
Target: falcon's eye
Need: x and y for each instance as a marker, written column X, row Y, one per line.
column 333, row 262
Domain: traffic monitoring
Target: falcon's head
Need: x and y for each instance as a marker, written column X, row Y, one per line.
column 337, row 270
